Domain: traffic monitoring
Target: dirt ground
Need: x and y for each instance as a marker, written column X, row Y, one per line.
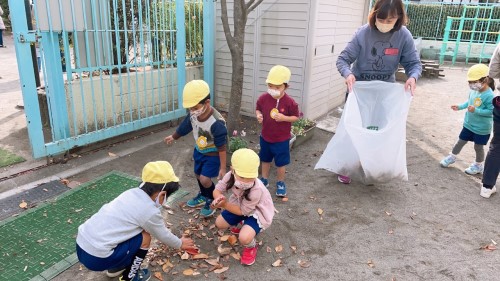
column 429, row 228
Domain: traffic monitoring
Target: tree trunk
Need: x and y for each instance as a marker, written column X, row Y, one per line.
column 236, row 92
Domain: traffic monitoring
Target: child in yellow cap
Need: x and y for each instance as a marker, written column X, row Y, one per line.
column 478, row 118
column 210, row 135
column 276, row 111
column 118, row 236
column 250, row 202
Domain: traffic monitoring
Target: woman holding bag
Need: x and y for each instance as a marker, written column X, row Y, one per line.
column 377, row 48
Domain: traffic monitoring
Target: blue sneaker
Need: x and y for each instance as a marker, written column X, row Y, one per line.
column 206, row 211
column 196, row 201
column 141, row 275
column 474, row 169
column 265, row 182
column 281, row 189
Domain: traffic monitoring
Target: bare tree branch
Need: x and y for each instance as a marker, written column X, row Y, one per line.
column 251, row 5
column 225, row 23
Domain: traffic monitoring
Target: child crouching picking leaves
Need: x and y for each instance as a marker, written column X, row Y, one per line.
column 250, row 201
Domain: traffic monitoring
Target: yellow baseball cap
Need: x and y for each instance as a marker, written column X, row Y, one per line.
column 245, row 163
column 194, row 92
column 159, row 172
column 278, row 75
column 477, row 72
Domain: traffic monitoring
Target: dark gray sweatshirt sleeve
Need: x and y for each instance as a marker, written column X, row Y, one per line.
column 156, row 227
column 348, row 56
column 409, row 57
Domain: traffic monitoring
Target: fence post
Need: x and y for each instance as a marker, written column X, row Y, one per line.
column 181, row 49
column 209, row 44
column 445, row 39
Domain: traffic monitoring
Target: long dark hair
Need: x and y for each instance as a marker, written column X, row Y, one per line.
column 230, row 184
column 386, row 8
column 152, row 188
column 490, row 81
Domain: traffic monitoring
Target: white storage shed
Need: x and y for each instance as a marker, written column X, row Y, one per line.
column 304, row 35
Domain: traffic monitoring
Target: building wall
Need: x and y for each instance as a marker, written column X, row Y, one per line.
column 336, row 22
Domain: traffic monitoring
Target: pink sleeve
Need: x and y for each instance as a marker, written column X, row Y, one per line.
column 222, row 184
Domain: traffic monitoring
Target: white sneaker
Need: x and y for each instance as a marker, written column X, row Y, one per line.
column 448, row 160
column 486, row 192
column 475, row 169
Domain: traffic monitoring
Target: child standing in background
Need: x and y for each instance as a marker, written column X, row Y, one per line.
column 276, row 111
column 478, row 118
column 250, row 201
column 210, row 135
column 492, row 163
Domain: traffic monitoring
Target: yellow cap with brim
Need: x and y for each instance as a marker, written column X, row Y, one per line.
column 159, row 172
column 278, row 75
column 194, row 92
column 477, row 72
column 245, row 163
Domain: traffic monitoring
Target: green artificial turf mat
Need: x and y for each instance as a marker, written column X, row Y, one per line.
column 40, row 243
column 8, row 158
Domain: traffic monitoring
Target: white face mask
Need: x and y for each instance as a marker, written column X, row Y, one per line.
column 197, row 113
column 384, row 27
column 157, row 200
column 476, row 86
column 243, row 185
column 274, row 93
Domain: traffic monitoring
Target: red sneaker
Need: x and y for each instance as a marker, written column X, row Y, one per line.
column 248, row 256
column 344, row 179
column 235, row 230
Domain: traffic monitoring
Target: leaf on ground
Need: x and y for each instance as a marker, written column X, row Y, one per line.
column 69, row 221
column 277, row 263
column 320, row 211
column 391, row 231
column 23, row 205
column 200, row 256
column 232, row 240
column 388, row 213
column 223, row 251
column 268, row 249
column 304, row 264
column 170, row 212
column 158, row 276
column 212, row 262
column 236, row 256
column 285, row 199
column 111, row 154
column 294, row 249
column 65, row 181
column 494, row 243
column 185, row 256
column 167, row 266
column 489, row 247
column 188, row 272
column 224, row 238
column 371, row 264
column 278, row 248
column 220, row 270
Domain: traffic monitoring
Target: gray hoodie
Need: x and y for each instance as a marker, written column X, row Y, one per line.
column 375, row 55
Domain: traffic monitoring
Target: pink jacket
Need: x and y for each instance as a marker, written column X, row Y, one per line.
column 260, row 205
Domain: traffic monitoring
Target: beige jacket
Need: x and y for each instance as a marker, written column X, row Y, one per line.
column 495, row 64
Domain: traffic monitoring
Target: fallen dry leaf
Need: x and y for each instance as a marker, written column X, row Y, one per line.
column 23, row 205
column 111, row 154
column 285, row 199
column 320, row 211
column 278, row 249
column 185, row 256
column 188, row 272
column 46, row 190
column 200, row 256
column 224, row 238
column 277, row 263
column 69, row 221
column 65, row 181
column 220, row 270
column 268, row 249
column 388, row 213
column 304, row 264
column 213, row 262
column 494, row 243
column 391, row 231
column 232, row 240
column 158, row 276
column 371, row 264
column 489, row 247
column 236, row 256
column 294, row 249
column 223, row 251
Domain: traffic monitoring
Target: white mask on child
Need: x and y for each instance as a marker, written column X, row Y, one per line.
column 384, row 27
column 157, row 200
column 274, row 93
column 243, row 185
column 197, row 113
column 476, row 86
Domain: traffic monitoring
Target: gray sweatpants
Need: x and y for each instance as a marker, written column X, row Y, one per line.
column 479, row 148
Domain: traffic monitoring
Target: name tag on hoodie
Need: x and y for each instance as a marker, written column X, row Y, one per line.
column 391, row 51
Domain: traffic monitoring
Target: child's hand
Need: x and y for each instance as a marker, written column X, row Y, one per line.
column 471, row 108
column 169, row 139
column 279, row 117
column 260, row 118
column 218, row 202
column 187, row 243
column 454, row 107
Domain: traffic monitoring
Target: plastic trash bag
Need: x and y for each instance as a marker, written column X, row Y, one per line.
column 370, row 142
